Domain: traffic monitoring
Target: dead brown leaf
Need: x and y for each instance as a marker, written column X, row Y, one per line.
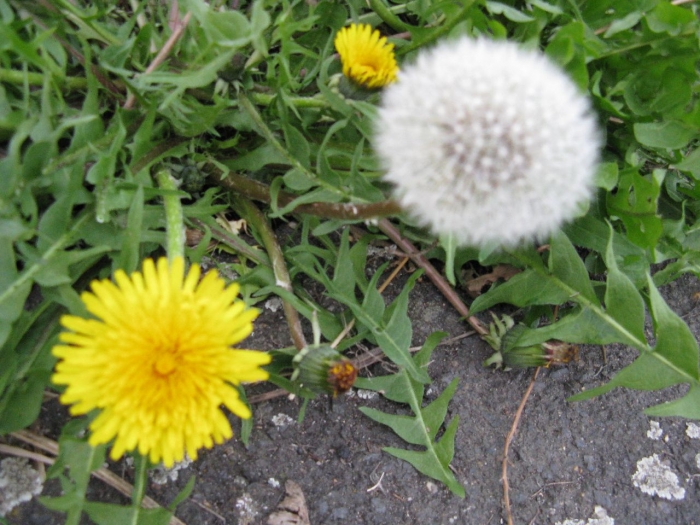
column 292, row 509
column 502, row 271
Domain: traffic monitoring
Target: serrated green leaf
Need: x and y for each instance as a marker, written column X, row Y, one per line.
column 687, row 406
column 582, row 326
column 675, row 344
column 524, row 289
column 421, row 428
column 408, row 428
column 434, row 414
column 594, row 234
column 622, row 300
column 431, row 463
column 566, row 265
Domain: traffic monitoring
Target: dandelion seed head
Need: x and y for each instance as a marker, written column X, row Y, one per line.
column 487, row 142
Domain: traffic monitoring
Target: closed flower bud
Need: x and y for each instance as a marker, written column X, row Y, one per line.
column 324, row 370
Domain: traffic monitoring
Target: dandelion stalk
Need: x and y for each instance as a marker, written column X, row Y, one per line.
column 388, row 17
column 174, row 221
column 257, row 220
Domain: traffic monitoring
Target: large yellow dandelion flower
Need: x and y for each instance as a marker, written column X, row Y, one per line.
column 157, row 360
column 368, row 59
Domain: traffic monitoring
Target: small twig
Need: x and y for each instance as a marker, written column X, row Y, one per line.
column 438, row 280
column 9, row 450
column 377, row 485
column 162, row 55
column 50, row 446
column 509, row 439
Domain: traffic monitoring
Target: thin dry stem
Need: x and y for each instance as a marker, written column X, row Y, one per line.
column 50, row 446
column 506, row 448
column 438, row 280
column 162, row 54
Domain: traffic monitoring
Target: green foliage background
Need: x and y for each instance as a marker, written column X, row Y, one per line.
column 247, row 103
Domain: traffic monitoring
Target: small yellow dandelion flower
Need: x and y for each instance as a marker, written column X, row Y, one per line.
column 368, row 59
column 157, row 360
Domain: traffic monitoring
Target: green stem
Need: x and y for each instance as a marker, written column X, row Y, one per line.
column 388, row 17
column 439, row 31
column 261, row 192
column 257, row 220
column 438, row 280
column 13, row 76
column 140, row 479
column 174, row 221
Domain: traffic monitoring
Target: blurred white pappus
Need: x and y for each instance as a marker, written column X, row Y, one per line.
column 488, row 142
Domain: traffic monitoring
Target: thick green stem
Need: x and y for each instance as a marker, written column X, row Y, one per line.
column 261, row 192
column 388, row 17
column 257, row 220
column 438, row 280
column 13, row 76
column 174, row 221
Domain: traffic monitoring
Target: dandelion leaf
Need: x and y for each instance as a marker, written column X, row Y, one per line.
column 673, row 360
column 422, row 427
column 111, row 514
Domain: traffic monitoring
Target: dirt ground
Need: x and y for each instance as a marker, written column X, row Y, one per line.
column 566, row 460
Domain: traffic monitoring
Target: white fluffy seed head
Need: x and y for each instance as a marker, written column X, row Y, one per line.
column 487, row 142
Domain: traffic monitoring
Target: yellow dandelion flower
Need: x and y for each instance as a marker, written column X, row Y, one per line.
column 368, row 59
column 157, row 360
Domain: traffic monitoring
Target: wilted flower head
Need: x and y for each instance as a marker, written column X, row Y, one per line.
column 487, row 142
column 368, row 59
column 157, row 360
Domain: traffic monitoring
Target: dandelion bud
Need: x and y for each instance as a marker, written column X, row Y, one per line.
column 325, row 371
column 487, row 142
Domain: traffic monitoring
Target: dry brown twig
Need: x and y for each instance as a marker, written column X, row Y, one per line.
column 509, row 439
column 162, row 54
column 50, row 446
